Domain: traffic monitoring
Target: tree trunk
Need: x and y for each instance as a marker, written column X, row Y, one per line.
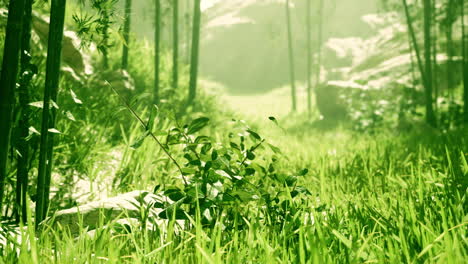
column 8, row 84
column 175, row 44
column 126, row 33
column 194, row 52
column 430, row 117
column 309, row 57
column 409, row 22
column 464, row 64
column 57, row 16
column 434, row 60
column 449, row 46
column 413, row 65
column 105, row 35
column 157, row 47
column 319, row 44
column 291, row 58
column 23, row 146
column 187, row 31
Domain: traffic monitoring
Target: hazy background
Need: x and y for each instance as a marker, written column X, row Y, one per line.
column 244, row 42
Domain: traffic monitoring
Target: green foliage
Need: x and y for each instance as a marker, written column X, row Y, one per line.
column 381, row 197
column 229, row 178
column 96, row 26
column 225, row 179
column 369, row 110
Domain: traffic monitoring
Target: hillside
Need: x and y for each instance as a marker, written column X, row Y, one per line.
column 252, row 34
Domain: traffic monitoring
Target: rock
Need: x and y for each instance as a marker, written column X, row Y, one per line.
column 331, row 98
column 70, row 54
column 120, row 80
column 126, row 225
column 90, row 216
column 120, row 214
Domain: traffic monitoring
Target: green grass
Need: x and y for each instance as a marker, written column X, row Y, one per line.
column 376, row 198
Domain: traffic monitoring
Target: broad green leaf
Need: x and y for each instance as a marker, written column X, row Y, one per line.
column 291, row 180
column 273, row 119
column 275, row 149
column 195, row 162
column 169, row 213
column 158, row 205
column 202, row 139
column 197, row 124
column 174, row 193
column 188, row 171
column 250, row 155
column 214, row 154
column 206, row 148
column 249, row 171
column 243, row 195
column 254, row 134
column 303, row 172
column 208, row 165
column 157, row 188
column 234, row 145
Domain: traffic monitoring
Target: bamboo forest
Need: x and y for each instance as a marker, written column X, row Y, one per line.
column 233, row 131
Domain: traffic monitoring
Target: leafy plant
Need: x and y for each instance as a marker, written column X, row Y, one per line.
column 224, row 180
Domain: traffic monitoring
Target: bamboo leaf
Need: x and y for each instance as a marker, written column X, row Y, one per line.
column 54, row 130
column 75, row 98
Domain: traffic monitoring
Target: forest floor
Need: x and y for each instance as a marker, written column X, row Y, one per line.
column 387, row 196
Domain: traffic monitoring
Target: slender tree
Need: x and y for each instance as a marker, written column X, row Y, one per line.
column 157, row 48
column 319, row 44
column 414, row 41
column 8, row 83
column 430, row 117
column 426, row 71
column 126, row 33
column 435, row 80
column 464, row 63
column 105, row 40
column 291, row 57
column 413, row 65
column 448, row 26
column 309, row 56
column 27, row 72
column 57, row 16
column 195, row 51
column 175, row 44
column 187, row 31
